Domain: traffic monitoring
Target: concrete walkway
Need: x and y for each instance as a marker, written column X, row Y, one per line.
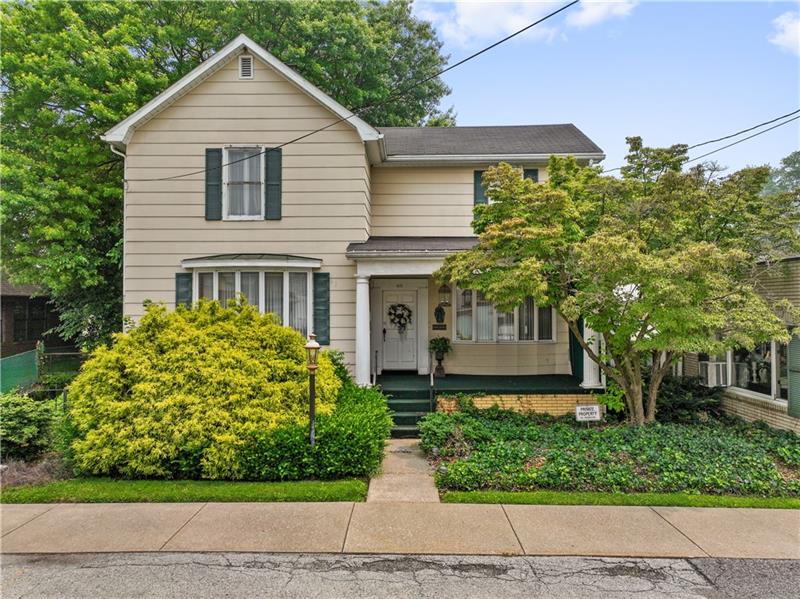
column 403, row 528
column 405, row 475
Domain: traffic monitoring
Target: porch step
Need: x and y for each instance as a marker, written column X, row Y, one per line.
column 408, row 418
column 406, row 392
column 405, row 431
column 409, row 405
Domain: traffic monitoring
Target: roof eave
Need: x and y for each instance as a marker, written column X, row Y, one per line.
column 422, row 159
column 388, row 254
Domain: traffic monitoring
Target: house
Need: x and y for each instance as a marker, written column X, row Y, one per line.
column 762, row 383
column 26, row 317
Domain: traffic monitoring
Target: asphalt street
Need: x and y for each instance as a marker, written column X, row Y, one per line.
column 200, row 575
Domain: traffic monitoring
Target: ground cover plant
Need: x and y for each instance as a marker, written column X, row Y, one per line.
column 502, row 450
column 219, row 393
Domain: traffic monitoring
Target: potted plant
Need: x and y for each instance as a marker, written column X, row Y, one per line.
column 439, row 346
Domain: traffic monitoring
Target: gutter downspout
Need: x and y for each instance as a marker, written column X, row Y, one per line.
column 124, row 221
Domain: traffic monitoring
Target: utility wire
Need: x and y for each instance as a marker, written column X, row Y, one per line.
column 743, row 139
column 711, row 141
column 394, row 96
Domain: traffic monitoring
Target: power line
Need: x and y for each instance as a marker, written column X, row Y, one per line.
column 711, row 141
column 743, row 139
column 394, row 96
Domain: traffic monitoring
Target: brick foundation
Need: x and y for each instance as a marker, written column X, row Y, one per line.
column 774, row 413
column 553, row 404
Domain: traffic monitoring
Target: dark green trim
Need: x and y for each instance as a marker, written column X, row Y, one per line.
column 213, row 183
column 183, row 289
column 793, row 363
column 576, row 352
column 531, row 173
column 273, row 188
column 322, row 307
column 479, row 193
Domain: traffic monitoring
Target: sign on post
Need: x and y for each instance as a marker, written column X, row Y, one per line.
column 587, row 413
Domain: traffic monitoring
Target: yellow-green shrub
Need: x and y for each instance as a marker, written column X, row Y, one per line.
column 178, row 394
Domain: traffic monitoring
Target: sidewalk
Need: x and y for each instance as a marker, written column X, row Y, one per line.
column 403, row 528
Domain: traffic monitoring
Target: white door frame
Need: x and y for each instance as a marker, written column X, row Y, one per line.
column 378, row 286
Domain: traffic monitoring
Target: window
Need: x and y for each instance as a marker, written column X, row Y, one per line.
column 244, row 179
column 29, row 319
column 752, row 370
column 287, row 294
column 762, row 370
column 782, row 367
column 477, row 320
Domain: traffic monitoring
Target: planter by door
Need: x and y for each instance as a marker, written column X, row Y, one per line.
column 400, row 346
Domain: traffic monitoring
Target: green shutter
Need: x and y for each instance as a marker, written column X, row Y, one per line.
column 183, row 289
column 531, row 173
column 322, row 307
column 272, row 190
column 794, row 376
column 213, row 183
column 480, row 196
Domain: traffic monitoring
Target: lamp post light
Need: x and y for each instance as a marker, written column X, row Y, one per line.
column 312, row 349
column 444, row 295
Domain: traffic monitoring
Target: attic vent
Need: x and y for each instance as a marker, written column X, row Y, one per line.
column 245, row 67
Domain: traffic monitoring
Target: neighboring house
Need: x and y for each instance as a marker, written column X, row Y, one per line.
column 764, row 383
column 26, row 316
column 331, row 232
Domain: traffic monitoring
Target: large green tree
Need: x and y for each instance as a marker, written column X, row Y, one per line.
column 659, row 262
column 70, row 70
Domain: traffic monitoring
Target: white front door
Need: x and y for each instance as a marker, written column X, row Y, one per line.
column 400, row 345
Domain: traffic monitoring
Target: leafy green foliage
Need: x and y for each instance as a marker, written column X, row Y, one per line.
column 686, row 400
column 502, row 450
column 178, row 394
column 440, row 345
column 71, row 70
column 659, row 262
column 25, row 426
column 339, row 367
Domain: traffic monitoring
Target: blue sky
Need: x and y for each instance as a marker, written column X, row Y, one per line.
column 671, row 72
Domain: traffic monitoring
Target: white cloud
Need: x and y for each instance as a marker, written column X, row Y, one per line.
column 592, row 12
column 466, row 22
column 787, row 32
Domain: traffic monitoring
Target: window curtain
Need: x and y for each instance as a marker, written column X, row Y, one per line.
column 505, row 326
column 273, row 293
column 464, row 315
column 227, row 287
column 298, row 302
column 244, row 182
column 249, row 284
column 484, row 318
column 526, row 320
column 206, row 285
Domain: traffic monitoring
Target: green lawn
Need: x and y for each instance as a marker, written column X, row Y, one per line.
column 106, row 490
column 592, row 498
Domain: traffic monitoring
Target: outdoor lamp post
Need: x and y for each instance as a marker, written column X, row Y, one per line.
column 312, row 349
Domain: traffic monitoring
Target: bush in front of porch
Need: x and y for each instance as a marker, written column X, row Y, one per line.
column 219, row 393
column 501, row 450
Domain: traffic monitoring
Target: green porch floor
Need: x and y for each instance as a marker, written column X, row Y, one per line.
column 467, row 383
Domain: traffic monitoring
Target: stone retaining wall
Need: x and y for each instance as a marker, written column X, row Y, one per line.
column 553, row 404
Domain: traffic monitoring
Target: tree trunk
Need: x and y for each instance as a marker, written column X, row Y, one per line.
column 634, row 393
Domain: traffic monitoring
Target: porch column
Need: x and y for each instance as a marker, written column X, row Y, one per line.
column 362, row 330
column 591, row 370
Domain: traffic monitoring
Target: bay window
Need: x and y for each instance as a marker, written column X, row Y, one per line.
column 287, row 294
column 477, row 320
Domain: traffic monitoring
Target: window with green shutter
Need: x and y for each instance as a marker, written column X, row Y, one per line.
column 479, row 193
column 183, row 289
column 794, row 376
column 322, row 307
column 213, row 183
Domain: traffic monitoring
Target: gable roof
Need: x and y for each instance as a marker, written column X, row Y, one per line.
column 459, row 143
column 120, row 133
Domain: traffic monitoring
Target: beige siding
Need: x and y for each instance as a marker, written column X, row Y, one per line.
column 326, row 188
column 425, row 200
column 782, row 282
column 501, row 358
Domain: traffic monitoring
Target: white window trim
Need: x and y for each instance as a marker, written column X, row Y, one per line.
column 225, row 173
column 773, row 396
column 494, row 340
column 262, row 288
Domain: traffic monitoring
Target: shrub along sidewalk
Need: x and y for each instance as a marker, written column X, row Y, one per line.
column 106, row 490
column 492, row 450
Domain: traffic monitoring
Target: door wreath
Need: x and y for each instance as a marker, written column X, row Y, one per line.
column 400, row 316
